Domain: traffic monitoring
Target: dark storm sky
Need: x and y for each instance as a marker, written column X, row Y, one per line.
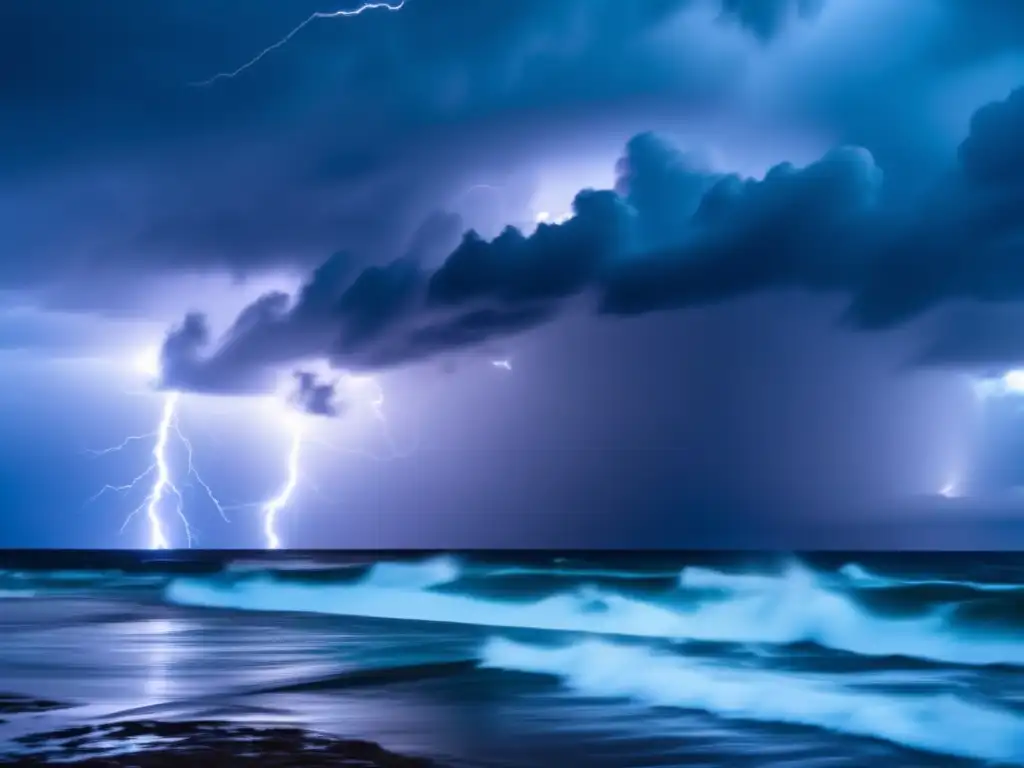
column 797, row 237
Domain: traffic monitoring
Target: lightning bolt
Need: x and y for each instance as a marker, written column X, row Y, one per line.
column 157, row 536
column 505, row 364
column 287, row 38
column 273, row 507
column 163, row 486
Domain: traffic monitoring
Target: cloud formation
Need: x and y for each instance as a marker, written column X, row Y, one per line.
column 672, row 235
column 315, row 397
column 116, row 174
column 148, row 175
column 767, row 18
column 964, row 243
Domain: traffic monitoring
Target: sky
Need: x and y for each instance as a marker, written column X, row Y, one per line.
column 544, row 273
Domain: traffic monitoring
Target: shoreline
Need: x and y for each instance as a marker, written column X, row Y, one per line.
column 199, row 743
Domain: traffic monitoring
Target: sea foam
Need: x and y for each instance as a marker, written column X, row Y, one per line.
column 934, row 723
column 793, row 607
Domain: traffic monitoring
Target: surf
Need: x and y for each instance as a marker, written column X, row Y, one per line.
column 937, row 723
column 797, row 606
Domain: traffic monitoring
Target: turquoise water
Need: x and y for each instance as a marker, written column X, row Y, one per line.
column 537, row 659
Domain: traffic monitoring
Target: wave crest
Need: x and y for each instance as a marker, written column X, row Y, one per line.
column 795, row 607
column 934, row 723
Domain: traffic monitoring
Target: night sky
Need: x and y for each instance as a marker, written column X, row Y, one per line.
column 589, row 273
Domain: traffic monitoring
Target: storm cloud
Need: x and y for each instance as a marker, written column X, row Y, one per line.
column 118, row 169
column 795, row 226
column 826, row 227
column 315, row 397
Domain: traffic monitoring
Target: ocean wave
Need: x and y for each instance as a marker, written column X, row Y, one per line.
column 56, row 581
column 795, row 607
column 285, row 566
column 696, row 577
column 423, row 575
column 963, row 606
column 70, row 576
column 862, row 578
column 581, row 573
column 415, row 575
column 943, row 724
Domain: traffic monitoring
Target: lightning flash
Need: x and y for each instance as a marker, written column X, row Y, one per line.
column 505, row 364
column 165, row 495
column 287, row 38
column 1009, row 384
column 950, row 489
column 157, row 536
column 368, row 390
column 163, row 488
column 544, row 217
column 273, row 507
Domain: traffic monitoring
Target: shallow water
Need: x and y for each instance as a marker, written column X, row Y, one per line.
column 540, row 659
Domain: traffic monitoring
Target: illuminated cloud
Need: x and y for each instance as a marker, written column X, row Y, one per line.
column 797, row 227
column 162, row 179
column 820, row 228
column 362, row 138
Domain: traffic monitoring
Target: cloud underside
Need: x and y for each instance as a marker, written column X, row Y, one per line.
column 672, row 234
column 118, row 177
column 149, row 177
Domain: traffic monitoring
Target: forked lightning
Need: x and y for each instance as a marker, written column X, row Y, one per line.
column 273, row 507
column 284, row 40
column 163, row 486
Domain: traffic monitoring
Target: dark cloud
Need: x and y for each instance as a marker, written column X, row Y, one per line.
column 902, row 79
column 121, row 183
column 975, row 337
column 183, row 367
column 315, row 397
column 116, row 170
column 392, row 314
column 965, row 242
column 663, row 186
column 766, row 18
column 459, row 331
column 795, row 227
column 554, row 262
column 992, row 155
column 819, row 228
column 112, row 77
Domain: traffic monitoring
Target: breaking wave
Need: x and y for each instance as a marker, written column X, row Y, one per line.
column 944, row 724
column 863, row 578
column 796, row 606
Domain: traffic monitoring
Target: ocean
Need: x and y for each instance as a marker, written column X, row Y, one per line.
column 516, row 659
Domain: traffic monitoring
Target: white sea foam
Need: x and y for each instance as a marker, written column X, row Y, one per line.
column 794, row 607
column 582, row 573
column 695, row 577
column 934, row 723
column 863, row 578
column 422, row 575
